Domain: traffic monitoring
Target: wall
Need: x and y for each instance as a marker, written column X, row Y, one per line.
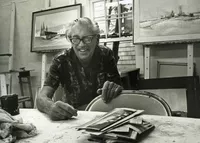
column 22, row 55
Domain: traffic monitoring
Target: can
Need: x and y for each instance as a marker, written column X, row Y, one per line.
column 9, row 103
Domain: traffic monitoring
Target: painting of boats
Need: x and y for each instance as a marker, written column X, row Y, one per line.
column 49, row 27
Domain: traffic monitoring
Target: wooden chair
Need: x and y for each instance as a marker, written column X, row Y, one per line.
column 149, row 102
column 24, row 78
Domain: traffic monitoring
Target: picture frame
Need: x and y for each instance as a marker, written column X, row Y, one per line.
column 167, row 21
column 167, row 69
column 49, row 26
column 115, row 19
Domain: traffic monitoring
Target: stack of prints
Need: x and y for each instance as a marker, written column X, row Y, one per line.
column 119, row 125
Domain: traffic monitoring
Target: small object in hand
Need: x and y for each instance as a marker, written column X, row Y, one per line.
column 10, row 103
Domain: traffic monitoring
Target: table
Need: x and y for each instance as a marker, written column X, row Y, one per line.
column 167, row 129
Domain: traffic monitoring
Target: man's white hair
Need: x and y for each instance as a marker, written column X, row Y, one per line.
column 92, row 26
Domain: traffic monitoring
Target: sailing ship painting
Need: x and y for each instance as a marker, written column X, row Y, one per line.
column 46, row 34
column 169, row 19
column 49, row 27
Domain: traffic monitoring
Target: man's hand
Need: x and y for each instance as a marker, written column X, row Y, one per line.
column 109, row 91
column 61, row 111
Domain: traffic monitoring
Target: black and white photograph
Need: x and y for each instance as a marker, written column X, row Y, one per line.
column 99, row 71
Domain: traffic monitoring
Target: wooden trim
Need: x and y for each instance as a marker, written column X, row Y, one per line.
column 44, row 56
column 190, row 65
column 159, row 63
column 147, row 62
column 11, row 44
column 3, row 84
column 43, row 69
column 106, row 19
column 119, row 19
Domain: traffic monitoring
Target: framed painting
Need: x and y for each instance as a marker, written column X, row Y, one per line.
column 49, row 26
column 166, row 21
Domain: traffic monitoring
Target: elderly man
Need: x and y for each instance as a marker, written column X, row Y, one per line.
column 84, row 71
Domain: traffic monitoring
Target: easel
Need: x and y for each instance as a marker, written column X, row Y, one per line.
column 190, row 65
column 44, row 55
column 47, row 5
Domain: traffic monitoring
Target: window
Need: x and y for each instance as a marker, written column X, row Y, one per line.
column 115, row 19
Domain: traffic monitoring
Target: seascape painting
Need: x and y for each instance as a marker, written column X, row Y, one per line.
column 49, row 26
column 166, row 21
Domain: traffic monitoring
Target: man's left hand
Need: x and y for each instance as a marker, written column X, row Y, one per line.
column 109, row 91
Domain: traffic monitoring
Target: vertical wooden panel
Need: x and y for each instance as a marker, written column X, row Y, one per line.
column 3, row 84
column 139, row 57
column 43, row 71
column 106, row 20
column 147, row 62
column 190, row 65
column 11, row 44
column 44, row 56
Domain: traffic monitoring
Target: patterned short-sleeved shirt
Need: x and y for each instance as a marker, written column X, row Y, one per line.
column 80, row 84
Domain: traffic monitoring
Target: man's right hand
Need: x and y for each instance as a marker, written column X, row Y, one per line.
column 61, row 111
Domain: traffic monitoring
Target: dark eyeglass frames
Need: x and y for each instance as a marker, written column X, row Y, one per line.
column 85, row 39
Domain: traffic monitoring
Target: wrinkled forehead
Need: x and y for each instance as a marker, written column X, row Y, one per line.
column 81, row 30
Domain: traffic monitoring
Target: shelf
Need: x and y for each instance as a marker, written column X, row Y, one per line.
column 6, row 54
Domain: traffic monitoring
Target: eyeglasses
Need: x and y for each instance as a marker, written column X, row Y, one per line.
column 85, row 39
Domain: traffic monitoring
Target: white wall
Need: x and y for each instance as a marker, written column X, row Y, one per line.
column 22, row 55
